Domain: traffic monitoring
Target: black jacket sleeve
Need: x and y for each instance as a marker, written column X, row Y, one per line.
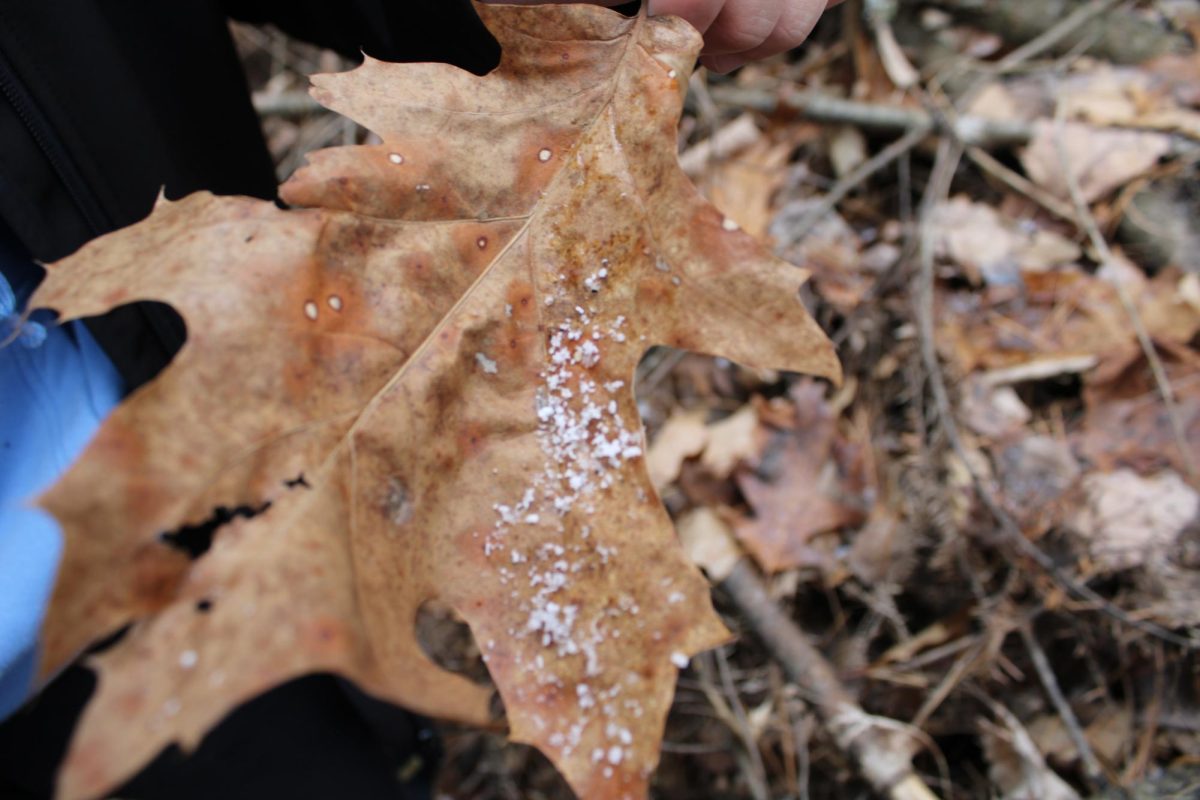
column 391, row 30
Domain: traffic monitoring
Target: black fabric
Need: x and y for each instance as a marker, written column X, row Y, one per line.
column 103, row 103
column 314, row 738
column 138, row 97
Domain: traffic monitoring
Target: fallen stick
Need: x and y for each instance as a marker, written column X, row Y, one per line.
column 881, row 748
column 971, row 130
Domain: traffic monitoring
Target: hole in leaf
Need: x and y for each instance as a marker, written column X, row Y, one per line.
column 195, row 540
column 297, row 482
column 448, row 642
column 204, row 606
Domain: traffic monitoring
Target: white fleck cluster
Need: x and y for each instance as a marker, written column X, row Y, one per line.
column 586, row 445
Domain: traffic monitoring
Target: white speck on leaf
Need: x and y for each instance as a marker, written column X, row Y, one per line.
column 486, row 364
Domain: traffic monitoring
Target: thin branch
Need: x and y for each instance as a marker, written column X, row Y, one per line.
column 734, row 716
column 882, row 748
column 1091, row 765
column 874, row 116
column 1019, row 183
column 855, row 178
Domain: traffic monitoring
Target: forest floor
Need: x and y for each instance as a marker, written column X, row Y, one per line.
column 987, row 540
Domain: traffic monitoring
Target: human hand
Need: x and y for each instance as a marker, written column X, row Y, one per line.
column 736, row 31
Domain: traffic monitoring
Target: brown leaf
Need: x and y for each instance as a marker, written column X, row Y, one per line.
column 682, row 436
column 806, row 494
column 731, row 441
column 708, row 542
column 1059, row 315
column 742, row 184
column 1098, row 159
column 443, row 347
column 1145, row 525
column 1126, row 421
column 1035, row 473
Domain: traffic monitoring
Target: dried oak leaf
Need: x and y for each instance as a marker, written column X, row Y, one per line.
column 808, row 489
column 443, row 345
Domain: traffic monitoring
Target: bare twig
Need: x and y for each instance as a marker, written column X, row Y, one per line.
column 1091, row 765
column 1019, row 183
column 759, row 783
column 288, row 104
column 881, row 748
column 729, row 709
column 874, row 116
column 855, row 178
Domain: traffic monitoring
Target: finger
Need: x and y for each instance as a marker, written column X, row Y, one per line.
column 742, row 25
column 794, row 26
column 554, row 2
column 700, row 13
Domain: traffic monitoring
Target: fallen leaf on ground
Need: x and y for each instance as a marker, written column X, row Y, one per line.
column 1016, row 766
column 831, row 251
column 993, row 411
column 427, row 375
column 1109, row 734
column 1127, row 519
column 731, row 441
column 805, row 493
column 1130, row 522
column 1107, row 95
column 743, row 185
column 992, row 249
column 1126, row 421
column 1035, row 474
column 1099, row 160
column 682, row 436
column 708, row 541
column 1056, row 316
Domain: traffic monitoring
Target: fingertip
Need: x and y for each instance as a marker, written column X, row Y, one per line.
column 699, row 13
column 723, row 64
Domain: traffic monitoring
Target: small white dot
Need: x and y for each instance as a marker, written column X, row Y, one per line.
column 396, row 158
column 188, row 659
column 481, row 242
column 729, row 225
column 310, row 310
column 675, row 280
column 679, row 659
column 335, row 302
column 545, row 154
column 672, row 74
column 423, row 187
